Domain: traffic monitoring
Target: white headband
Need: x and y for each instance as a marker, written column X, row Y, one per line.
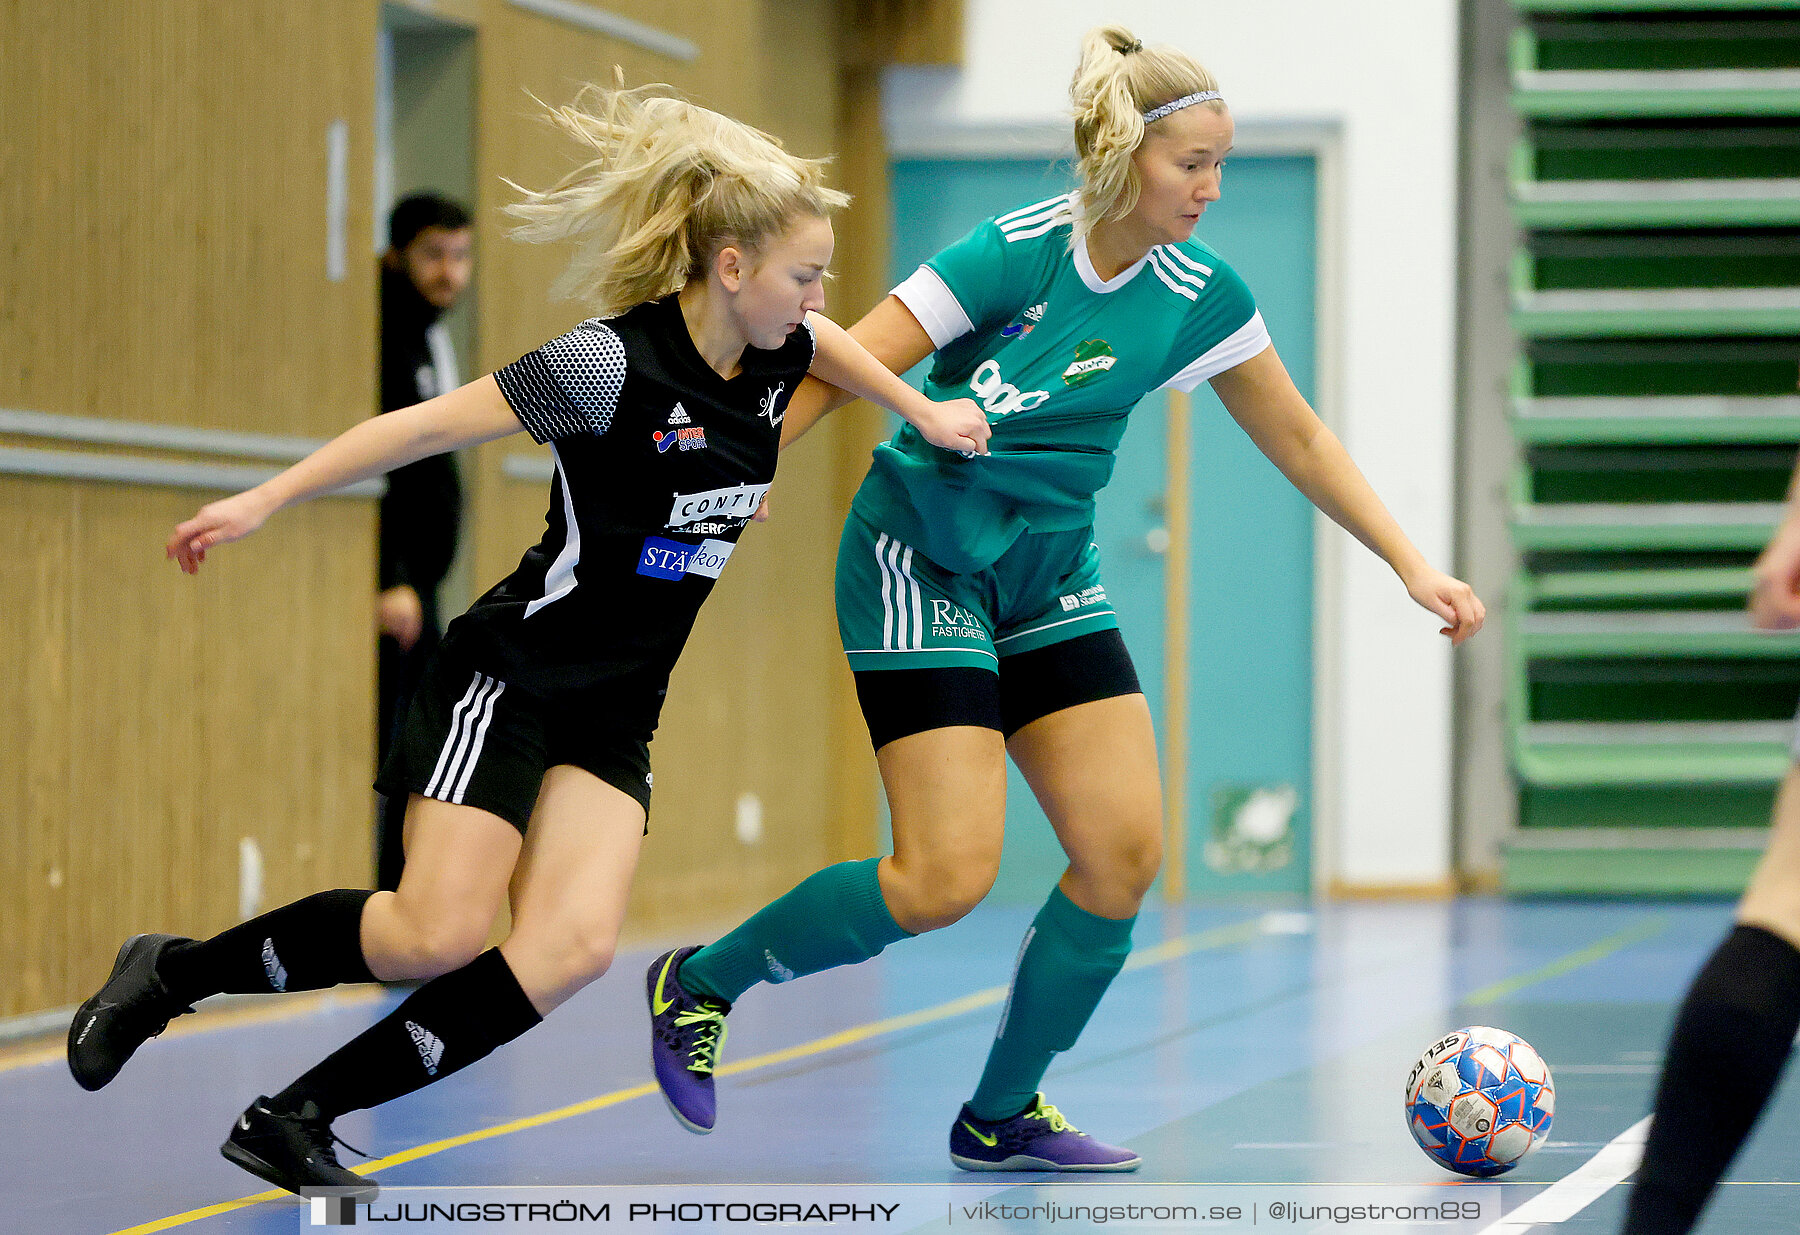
column 1157, row 113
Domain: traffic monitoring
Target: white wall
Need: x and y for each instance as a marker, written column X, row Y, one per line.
column 1382, row 75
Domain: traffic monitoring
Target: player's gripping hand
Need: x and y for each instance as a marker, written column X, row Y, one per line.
column 958, row 424
column 1451, row 599
column 217, row 523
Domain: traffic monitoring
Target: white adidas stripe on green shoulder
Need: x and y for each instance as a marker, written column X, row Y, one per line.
column 1037, row 218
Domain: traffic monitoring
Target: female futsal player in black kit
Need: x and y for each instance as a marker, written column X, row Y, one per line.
column 524, row 758
column 1736, row 1025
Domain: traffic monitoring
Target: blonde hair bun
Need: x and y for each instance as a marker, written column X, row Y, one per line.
column 1117, row 81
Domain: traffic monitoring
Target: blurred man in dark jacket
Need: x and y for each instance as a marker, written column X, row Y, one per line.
column 426, row 267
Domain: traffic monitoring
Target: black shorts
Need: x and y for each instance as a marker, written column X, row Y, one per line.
column 472, row 740
column 898, row 703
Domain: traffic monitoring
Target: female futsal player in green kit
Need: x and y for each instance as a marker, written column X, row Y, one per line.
column 971, row 605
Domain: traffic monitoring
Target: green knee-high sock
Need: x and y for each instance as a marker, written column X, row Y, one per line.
column 1069, row 959
column 834, row 917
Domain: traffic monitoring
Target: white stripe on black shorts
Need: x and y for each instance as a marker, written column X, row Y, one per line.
column 471, row 740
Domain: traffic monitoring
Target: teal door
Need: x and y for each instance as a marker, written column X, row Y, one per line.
column 1249, row 694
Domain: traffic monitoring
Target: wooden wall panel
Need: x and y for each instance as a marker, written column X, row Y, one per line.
column 36, row 520
column 883, row 32
column 301, row 696
column 162, row 199
column 149, row 721
column 163, row 209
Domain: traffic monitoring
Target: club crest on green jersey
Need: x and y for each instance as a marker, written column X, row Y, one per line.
column 1092, row 358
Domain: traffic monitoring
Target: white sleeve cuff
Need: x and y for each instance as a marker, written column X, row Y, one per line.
column 932, row 302
column 1248, row 340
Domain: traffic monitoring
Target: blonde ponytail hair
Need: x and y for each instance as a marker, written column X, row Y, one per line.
column 1118, row 80
column 668, row 186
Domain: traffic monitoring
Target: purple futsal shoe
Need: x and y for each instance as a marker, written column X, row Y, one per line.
column 1038, row 1139
column 686, row 1033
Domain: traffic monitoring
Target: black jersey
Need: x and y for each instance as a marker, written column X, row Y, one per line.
column 660, row 462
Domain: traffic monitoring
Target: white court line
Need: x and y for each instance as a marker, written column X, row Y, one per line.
column 1583, row 1186
column 1586, row 1184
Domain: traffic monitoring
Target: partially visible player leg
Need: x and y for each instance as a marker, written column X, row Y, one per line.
column 570, row 893
column 434, row 923
column 946, row 792
column 1730, row 1041
column 573, row 885
column 1093, row 769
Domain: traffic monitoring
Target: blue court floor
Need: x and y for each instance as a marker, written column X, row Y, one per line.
column 1249, row 1053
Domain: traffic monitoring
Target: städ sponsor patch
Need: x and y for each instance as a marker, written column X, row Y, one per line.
column 672, row 559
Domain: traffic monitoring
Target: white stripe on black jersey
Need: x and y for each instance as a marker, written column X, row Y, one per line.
column 559, row 580
column 659, row 464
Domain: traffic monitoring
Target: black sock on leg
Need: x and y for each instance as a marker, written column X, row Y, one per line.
column 443, row 1027
column 306, row 946
column 1731, row 1038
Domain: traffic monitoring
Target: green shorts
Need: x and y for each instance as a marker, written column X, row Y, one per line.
column 898, row 609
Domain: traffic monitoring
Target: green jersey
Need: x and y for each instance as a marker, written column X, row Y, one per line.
column 1024, row 325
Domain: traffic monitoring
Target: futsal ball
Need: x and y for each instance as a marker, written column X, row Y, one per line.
column 1478, row 1100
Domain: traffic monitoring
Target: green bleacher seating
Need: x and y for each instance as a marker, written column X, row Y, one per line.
column 1656, row 307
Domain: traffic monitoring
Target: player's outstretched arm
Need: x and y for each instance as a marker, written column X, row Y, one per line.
column 1775, row 601
column 467, row 416
column 890, row 333
column 958, row 424
column 1263, row 399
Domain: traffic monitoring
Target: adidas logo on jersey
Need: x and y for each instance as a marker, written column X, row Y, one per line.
column 679, row 416
column 1027, row 320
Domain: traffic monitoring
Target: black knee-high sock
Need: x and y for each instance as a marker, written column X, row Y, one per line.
column 443, row 1027
column 306, row 946
column 1730, row 1040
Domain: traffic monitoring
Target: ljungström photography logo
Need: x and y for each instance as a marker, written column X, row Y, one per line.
column 333, row 1210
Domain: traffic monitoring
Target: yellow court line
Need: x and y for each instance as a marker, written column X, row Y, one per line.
column 1199, row 941
column 1573, row 961
column 1156, row 954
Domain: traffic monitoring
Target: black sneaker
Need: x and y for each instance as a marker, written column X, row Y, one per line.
column 294, row 1151
column 133, row 1007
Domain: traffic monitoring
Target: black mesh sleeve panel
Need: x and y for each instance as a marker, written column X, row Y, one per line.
column 568, row 386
